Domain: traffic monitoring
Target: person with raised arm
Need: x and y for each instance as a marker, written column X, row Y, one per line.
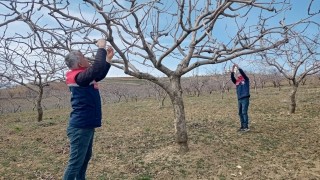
column 243, row 95
column 82, row 80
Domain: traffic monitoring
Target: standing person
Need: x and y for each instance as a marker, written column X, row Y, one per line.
column 86, row 113
column 243, row 94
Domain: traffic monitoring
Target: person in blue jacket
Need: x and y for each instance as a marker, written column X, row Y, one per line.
column 86, row 112
column 243, row 94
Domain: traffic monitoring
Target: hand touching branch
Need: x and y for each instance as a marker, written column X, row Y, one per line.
column 234, row 65
column 101, row 43
column 110, row 54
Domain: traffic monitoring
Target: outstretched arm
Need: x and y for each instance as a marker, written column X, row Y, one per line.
column 241, row 71
column 99, row 68
column 233, row 79
column 243, row 74
column 110, row 54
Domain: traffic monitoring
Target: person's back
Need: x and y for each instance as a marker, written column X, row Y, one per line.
column 85, row 100
column 85, row 97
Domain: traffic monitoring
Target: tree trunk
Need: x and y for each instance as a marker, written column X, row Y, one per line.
column 293, row 99
column 39, row 106
column 274, row 84
column 222, row 93
column 279, row 85
column 198, row 93
column 255, row 88
column 179, row 114
column 162, row 102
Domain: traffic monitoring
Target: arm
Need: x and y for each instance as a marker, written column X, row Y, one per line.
column 243, row 74
column 110, row 54
column 103, row 73
column 98, row 70
column 233, row 79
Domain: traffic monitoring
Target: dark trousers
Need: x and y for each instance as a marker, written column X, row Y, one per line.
column 243, row 105
column 81, row 141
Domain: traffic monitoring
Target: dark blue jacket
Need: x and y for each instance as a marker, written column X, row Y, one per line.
column 243, row 88
column 85, row 96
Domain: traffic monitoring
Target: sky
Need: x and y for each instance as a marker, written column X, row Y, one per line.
column 298, row 11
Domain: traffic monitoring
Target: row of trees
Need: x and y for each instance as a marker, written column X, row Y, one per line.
column 114, row 90
column 154, row 37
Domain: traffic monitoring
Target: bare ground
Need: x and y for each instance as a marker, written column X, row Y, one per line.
column 137, row 140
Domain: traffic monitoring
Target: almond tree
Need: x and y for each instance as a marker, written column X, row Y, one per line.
column 153, row 38
column 33, row 72
column 159, row 93
column 221, row 80
column 197, row 83
column 275, row 77
column 296, row 60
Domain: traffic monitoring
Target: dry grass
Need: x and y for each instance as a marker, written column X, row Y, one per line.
column 137, row 141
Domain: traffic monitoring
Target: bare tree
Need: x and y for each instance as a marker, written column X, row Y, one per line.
column 160, row 94
column 262, row 77
column 258, row 76
column 221, row 81
column 169, row 38
column 275, row 77
column 255, row 82
column 197, row 83
column 296, row 60
column 120, row 93
column 34, row 72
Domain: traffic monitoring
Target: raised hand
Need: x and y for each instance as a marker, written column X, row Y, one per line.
column 110, row 54
column 101, row 43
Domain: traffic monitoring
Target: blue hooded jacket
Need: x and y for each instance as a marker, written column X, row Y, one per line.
column 85, row 96
column 243, row 86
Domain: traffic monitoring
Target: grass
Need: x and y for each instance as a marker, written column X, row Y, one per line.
column 136, row 140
